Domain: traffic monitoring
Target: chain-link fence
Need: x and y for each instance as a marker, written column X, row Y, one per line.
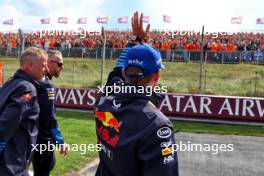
column 217, row 79
column 220, row 73
column 222, row 57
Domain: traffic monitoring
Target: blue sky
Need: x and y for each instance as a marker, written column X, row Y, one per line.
column 185, row 14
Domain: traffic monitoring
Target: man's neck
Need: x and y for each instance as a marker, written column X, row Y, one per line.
column 49, row 76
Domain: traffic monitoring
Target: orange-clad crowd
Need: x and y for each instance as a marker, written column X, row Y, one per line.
column 159, row 39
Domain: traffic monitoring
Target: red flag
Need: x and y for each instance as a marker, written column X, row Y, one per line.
column 45, row 21
column 63, row 20
column 260, row 21
column 145, row 19
column 166, row 19
column 82, row 20
column 236, row 20
column 103, row 20
column 9, row 22
column 123, row 19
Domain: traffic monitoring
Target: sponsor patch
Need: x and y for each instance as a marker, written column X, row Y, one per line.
column 116, row 105
column 106, row 137
column 167, row 151
column 26, row 97
column 164, row 132
column 51, row 93
column 166, row 144
column 168, row 159
column 108, row 120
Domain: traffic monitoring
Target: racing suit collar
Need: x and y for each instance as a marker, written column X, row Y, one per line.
column 23, row 75
column 153, row 97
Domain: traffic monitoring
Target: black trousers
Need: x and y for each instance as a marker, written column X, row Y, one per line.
column 43, row 163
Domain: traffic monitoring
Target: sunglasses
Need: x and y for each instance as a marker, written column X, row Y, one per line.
column 58, row 63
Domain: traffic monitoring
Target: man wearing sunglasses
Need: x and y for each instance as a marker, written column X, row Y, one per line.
column 55, row 63
column 49, row 132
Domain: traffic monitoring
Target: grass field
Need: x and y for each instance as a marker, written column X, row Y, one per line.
column 79, row 128
column 219, row 79
column 199, row 127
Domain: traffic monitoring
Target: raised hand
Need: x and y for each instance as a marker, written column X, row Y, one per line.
column 137, row 26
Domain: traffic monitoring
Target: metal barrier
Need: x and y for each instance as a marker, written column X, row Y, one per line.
column 221, row 57
column 226, row 77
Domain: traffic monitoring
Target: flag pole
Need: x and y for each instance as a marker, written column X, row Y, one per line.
column 201, row 61
column 103, row 55
column 22, row 40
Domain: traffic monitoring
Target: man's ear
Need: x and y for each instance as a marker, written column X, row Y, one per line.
column 30, row 65
column 153, row 79
column 156, row 76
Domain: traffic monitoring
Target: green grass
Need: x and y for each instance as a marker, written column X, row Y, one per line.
column 212, row 128
column 219, row 79
column 77, row 128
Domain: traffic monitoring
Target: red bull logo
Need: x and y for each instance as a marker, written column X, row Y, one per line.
column 26, row 97
column 108, row 120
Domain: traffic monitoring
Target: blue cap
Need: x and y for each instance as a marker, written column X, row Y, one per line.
column 145, row 57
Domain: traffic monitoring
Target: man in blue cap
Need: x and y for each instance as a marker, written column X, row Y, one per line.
column 136, row 138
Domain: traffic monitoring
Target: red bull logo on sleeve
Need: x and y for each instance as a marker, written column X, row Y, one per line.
column 108, row 120
column 26, row 97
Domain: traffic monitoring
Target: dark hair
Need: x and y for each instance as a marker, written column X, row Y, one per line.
column 134, row 70
column 52, row 53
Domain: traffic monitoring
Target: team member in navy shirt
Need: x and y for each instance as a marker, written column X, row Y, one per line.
column 19, row 110
column 49, row 132
column 136, row 138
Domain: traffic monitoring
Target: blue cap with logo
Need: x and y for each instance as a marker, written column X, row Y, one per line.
column 145, row 57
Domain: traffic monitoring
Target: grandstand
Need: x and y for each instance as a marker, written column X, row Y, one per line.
column 220, row 47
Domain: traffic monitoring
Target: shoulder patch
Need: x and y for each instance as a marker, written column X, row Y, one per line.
column 164, row 132
column 51, row 93
column 116, row 105
column 26, row 97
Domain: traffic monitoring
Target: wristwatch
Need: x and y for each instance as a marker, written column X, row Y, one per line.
column 135, row 38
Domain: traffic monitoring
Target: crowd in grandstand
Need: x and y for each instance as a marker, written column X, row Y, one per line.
column 159, row 39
